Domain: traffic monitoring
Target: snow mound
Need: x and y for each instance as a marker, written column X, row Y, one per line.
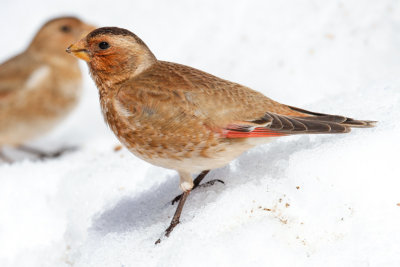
column 326, row 200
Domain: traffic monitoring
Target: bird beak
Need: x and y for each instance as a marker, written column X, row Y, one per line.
column 78, row 49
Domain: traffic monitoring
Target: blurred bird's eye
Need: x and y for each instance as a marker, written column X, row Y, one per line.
column 104, row 45
column 65, row 29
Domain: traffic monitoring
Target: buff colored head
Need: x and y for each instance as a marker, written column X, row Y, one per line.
column 113, row 51
column 56, row 34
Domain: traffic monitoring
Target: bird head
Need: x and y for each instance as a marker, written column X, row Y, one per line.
column 113, row 53
column 56, row 34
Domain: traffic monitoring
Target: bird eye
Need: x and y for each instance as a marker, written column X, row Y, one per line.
column 65, row 28
column 104, row 45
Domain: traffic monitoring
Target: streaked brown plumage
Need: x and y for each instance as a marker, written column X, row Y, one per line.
column 40, row 86
column 182, row 118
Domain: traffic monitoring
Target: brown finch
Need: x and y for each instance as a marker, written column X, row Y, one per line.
column 181, row 118
column 40, row 86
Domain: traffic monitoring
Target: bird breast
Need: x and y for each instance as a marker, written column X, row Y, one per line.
column 190, row 148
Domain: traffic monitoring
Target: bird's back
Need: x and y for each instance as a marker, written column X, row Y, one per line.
column 34, row 96
column 15, row 72
column 223, row 106
column 217, row 100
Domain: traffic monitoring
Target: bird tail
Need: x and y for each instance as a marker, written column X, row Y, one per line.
column 299, row 122
column 336, row 119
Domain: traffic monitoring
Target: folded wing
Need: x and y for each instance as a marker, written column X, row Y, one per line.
column 273, row 125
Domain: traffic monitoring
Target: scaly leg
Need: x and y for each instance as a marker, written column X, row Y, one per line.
column 177, row 215
column 186, row 184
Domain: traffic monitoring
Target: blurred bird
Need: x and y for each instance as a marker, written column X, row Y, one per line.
column 40, row 86
column 181, row 118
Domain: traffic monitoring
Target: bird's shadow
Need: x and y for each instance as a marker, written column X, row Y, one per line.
column 132, row 212
column 154, row 205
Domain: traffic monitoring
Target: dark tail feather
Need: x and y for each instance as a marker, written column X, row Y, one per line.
column 310, row 123
column 335, row 118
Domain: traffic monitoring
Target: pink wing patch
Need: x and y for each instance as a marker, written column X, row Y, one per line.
column 237, row 131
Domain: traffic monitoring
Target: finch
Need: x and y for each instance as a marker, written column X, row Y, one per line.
column 181, row 118
column 40, row 86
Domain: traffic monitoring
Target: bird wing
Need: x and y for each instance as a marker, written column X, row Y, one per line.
column 233, row 110
column 15, row 72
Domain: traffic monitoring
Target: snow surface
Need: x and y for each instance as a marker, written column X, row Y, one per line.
column 299, row 201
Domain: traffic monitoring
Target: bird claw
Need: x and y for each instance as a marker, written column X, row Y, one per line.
column 177, row 215
column 45, row 155
column 57, row 153
column 207, row 184
column 182, row 198
column 167, row 231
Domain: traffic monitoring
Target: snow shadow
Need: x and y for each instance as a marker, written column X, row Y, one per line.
column 153, row 206
column 137, row 211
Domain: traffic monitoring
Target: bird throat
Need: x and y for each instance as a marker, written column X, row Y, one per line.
column 106, row 82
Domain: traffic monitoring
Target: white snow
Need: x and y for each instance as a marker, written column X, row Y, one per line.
column 299, row 201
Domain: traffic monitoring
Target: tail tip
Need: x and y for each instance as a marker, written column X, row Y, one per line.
column 370, row 123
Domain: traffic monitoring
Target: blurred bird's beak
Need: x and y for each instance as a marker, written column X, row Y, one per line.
column 78, row 49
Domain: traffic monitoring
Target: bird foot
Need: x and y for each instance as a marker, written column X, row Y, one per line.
column 177, row 215
column 207, row 184
column 58, row 153
column 46, row 155
column 168, row 230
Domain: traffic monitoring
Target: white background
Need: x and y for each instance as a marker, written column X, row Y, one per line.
column 300, row 201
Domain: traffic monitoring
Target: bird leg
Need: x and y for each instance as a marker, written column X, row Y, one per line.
column 196, row 184
column 187, row 185
column 177, row 215
column 42, row 154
